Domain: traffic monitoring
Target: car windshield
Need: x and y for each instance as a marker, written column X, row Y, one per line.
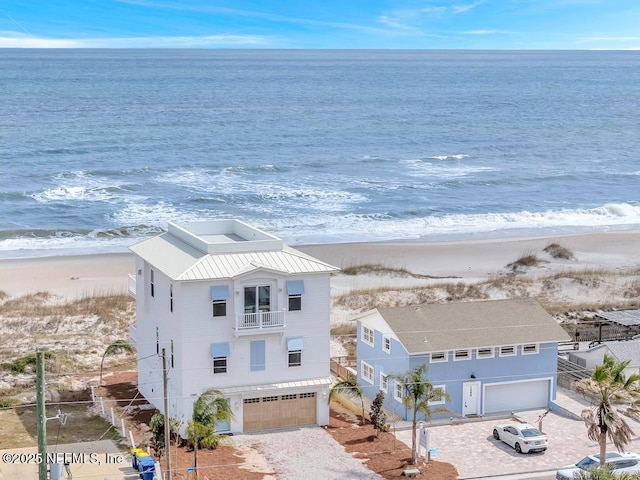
column 587, row 463
column 531, row 432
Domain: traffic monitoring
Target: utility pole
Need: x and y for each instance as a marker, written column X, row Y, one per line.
column 41, row 416
column 167, row 427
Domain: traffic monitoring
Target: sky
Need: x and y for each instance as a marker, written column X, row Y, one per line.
column 322, row 24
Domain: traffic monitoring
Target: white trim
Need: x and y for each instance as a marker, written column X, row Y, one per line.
column 512, row 354
column 492, row 349
column 445, row 357
column 397, row 385
column 442, row 400
column 535, row 351
column 460, row 359
column 364, row 336
column 386, row 340
column 364, row 366
column 384, row 382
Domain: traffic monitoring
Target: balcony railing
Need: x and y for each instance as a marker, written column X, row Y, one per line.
column 132, row 286
column 250, row 322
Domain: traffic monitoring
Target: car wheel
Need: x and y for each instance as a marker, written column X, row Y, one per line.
column 496, row 435
column 517, row 447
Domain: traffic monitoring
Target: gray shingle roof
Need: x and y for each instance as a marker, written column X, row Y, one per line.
column 439, row 327
column 179, row 261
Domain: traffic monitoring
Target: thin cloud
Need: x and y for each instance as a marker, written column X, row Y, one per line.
column 610, row 39
column 13, row 40
column 465, row 8
column 256, row 14
column 485, row 32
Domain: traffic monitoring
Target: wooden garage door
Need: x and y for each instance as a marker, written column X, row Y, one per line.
column 278, row 411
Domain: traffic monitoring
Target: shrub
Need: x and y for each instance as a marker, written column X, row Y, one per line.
column 526, row 260
column 377, row 415
column 558, row 251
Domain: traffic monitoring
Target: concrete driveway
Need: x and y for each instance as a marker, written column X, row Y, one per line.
column 471, row 448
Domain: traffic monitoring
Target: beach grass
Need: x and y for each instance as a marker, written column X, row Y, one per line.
column 558, row 251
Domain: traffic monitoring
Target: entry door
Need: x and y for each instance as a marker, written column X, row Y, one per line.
column 471, row 398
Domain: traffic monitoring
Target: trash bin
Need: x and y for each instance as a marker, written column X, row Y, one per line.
column 55, row 471
column 147, row 475
column 139, row 456
column 146, row 464
column 134, row 459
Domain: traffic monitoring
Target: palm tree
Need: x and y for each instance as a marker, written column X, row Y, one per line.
column 604, row 473
column 609, row 389
column 418, row 393
column 210, row 409
column 350, row 388
column 113, row 349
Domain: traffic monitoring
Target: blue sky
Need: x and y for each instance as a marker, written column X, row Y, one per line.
column 387, row 24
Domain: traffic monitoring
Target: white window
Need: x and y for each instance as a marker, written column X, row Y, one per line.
column 398, row 391
column 152, row 283
column 219, row 298
column 507, row 351
column 367, row 335
column 437, row 357
column 438, row 399
column 530, row 348
column 485, row 352
column 386, row 344
column 158, row 340
column 384, row 382
column 219, row 364
column 171, row 297
column 172, row 354
column 367, row 372
column 295, row 289
column 219, row 354
column 295, row 346
column 461, row 355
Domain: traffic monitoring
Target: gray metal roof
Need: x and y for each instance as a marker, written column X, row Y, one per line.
column 450, row 326
column 181, row 262
column 628, row 318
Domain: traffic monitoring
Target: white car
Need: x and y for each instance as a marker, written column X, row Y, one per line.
column 627, row 462
column 524, row 438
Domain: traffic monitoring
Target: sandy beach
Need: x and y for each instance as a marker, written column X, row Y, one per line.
column 79, row 276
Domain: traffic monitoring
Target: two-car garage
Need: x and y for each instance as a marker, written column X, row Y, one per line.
column 517, row 396
column 278, row 411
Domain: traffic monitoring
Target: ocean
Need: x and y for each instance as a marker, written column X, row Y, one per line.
column 101, row 148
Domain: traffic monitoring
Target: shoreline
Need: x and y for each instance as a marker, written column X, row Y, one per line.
column 75, row 276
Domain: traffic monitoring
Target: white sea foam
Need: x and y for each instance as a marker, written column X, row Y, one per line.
column 424, row 169
column 459, row 156
column 314, row 229
column 80, row 186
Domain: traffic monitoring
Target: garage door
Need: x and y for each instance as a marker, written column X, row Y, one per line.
column 518, row 396
column 278, row 411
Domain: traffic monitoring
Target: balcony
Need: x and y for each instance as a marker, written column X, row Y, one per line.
column 260, row 322
column 132, row 286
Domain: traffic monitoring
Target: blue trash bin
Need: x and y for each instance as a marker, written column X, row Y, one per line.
column 145, row 464
column 147, row 475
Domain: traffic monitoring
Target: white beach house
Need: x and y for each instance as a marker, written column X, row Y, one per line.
column 237, row 310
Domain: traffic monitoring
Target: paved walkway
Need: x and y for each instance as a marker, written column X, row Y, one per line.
column 471, row 448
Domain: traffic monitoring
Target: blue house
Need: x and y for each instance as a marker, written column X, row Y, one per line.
column 489, row 356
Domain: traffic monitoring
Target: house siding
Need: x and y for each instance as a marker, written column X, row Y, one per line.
column 453, row 374
column 193, row 328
